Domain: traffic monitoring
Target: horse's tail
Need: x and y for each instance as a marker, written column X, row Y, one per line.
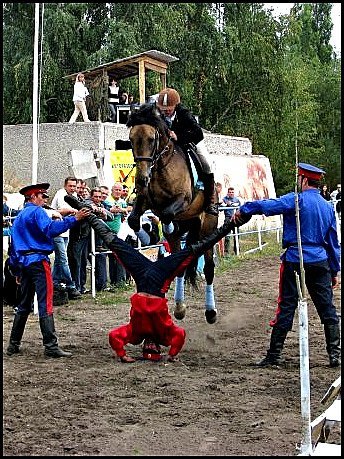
column 191, row 238
column 191, row 272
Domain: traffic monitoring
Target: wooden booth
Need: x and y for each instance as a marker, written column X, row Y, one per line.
column 97, row 79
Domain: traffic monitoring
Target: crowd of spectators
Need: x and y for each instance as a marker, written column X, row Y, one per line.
column 73, row 249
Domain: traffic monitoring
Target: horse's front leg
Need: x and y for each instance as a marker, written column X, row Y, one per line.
column 134, row 218
column 180, row 307
column 170, row 211
column 210, row 305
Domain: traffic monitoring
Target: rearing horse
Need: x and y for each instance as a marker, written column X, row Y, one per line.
column 165, row 184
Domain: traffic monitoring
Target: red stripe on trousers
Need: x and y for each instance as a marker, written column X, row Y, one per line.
column 50, row 287
column 279, row 299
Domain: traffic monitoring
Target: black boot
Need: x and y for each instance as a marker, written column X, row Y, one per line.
column 101, row 228
column 50, row 339
column 273, row 356
column 209, row 241
column 60, row 295
column 17, row 332
column 332, row 336
column 210, row 196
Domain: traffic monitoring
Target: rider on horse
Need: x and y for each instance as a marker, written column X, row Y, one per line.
column 185, row 131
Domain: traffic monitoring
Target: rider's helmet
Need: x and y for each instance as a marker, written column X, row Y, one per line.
column 168, row 98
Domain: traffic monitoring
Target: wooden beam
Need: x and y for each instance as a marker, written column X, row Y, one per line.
column 155, row 68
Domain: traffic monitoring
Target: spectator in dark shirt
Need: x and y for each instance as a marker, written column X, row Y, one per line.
column 325, row 193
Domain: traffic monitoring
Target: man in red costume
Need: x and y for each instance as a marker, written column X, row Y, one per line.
column 150, row 320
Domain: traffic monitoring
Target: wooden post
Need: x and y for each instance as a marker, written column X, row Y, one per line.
column 142, row 89
column 306, row 442
column 163, row 80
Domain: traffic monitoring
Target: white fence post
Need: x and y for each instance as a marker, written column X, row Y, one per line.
column 93, row 263
column 236, row 238
column 259, row 228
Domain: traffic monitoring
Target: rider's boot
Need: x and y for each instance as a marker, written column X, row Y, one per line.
column 97, row 224
column 210, row 195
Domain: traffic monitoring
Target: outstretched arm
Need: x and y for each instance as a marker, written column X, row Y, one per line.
column 205, row 244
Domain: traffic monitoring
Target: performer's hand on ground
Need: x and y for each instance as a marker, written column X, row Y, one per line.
column 127, row 359
column 335, row 282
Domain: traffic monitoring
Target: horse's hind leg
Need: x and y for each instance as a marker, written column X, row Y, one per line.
column 210, row 308
column 210, row 305
column 180, row 307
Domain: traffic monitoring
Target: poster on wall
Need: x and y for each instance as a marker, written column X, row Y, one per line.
column 250, row 176
column 119, row 167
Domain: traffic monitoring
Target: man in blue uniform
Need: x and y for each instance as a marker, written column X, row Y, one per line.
column 32, row 242
column 321, row 256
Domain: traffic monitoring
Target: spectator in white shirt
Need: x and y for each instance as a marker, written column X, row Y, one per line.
column 61, row 270
column 79, row 99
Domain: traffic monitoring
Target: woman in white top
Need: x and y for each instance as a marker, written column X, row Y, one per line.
column 79, row 98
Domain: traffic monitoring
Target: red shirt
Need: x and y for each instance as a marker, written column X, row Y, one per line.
column 149, row 318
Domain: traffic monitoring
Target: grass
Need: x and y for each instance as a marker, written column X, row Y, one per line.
column 223, row 264
column 249, row 242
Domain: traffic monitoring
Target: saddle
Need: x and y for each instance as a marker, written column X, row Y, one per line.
column 194, row 164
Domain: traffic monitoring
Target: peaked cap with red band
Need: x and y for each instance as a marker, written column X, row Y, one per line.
column 309, row 171
column 35, row 189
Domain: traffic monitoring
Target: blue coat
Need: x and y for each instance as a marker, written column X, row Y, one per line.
column 318, row 226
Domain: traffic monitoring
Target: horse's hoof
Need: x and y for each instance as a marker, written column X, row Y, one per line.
column 180, row 311
column 166, row 217
column 211, row 315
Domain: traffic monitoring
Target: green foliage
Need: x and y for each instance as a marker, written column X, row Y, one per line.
column 243, row 72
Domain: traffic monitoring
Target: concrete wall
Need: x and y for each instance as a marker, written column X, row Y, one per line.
column 56, row 140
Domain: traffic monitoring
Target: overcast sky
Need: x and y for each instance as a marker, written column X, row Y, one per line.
column 284, row 8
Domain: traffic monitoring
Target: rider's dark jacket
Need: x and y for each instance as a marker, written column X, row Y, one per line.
column 186, row 127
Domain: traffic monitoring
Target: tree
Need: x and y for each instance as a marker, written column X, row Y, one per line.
column 241, row 70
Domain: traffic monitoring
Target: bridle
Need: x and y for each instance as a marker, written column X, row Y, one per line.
column 156, row 154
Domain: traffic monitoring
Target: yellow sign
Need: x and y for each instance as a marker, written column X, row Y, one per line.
column 122, row 163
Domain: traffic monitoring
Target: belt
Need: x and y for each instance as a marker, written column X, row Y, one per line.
column 38, row 252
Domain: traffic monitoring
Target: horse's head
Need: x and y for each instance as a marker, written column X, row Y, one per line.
column 148, row 136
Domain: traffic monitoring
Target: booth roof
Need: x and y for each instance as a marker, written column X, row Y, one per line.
column 128, row 66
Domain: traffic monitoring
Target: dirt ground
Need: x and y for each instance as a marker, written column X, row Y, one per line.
column 212, row 402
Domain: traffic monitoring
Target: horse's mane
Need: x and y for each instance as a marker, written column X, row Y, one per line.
column 148, row 114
